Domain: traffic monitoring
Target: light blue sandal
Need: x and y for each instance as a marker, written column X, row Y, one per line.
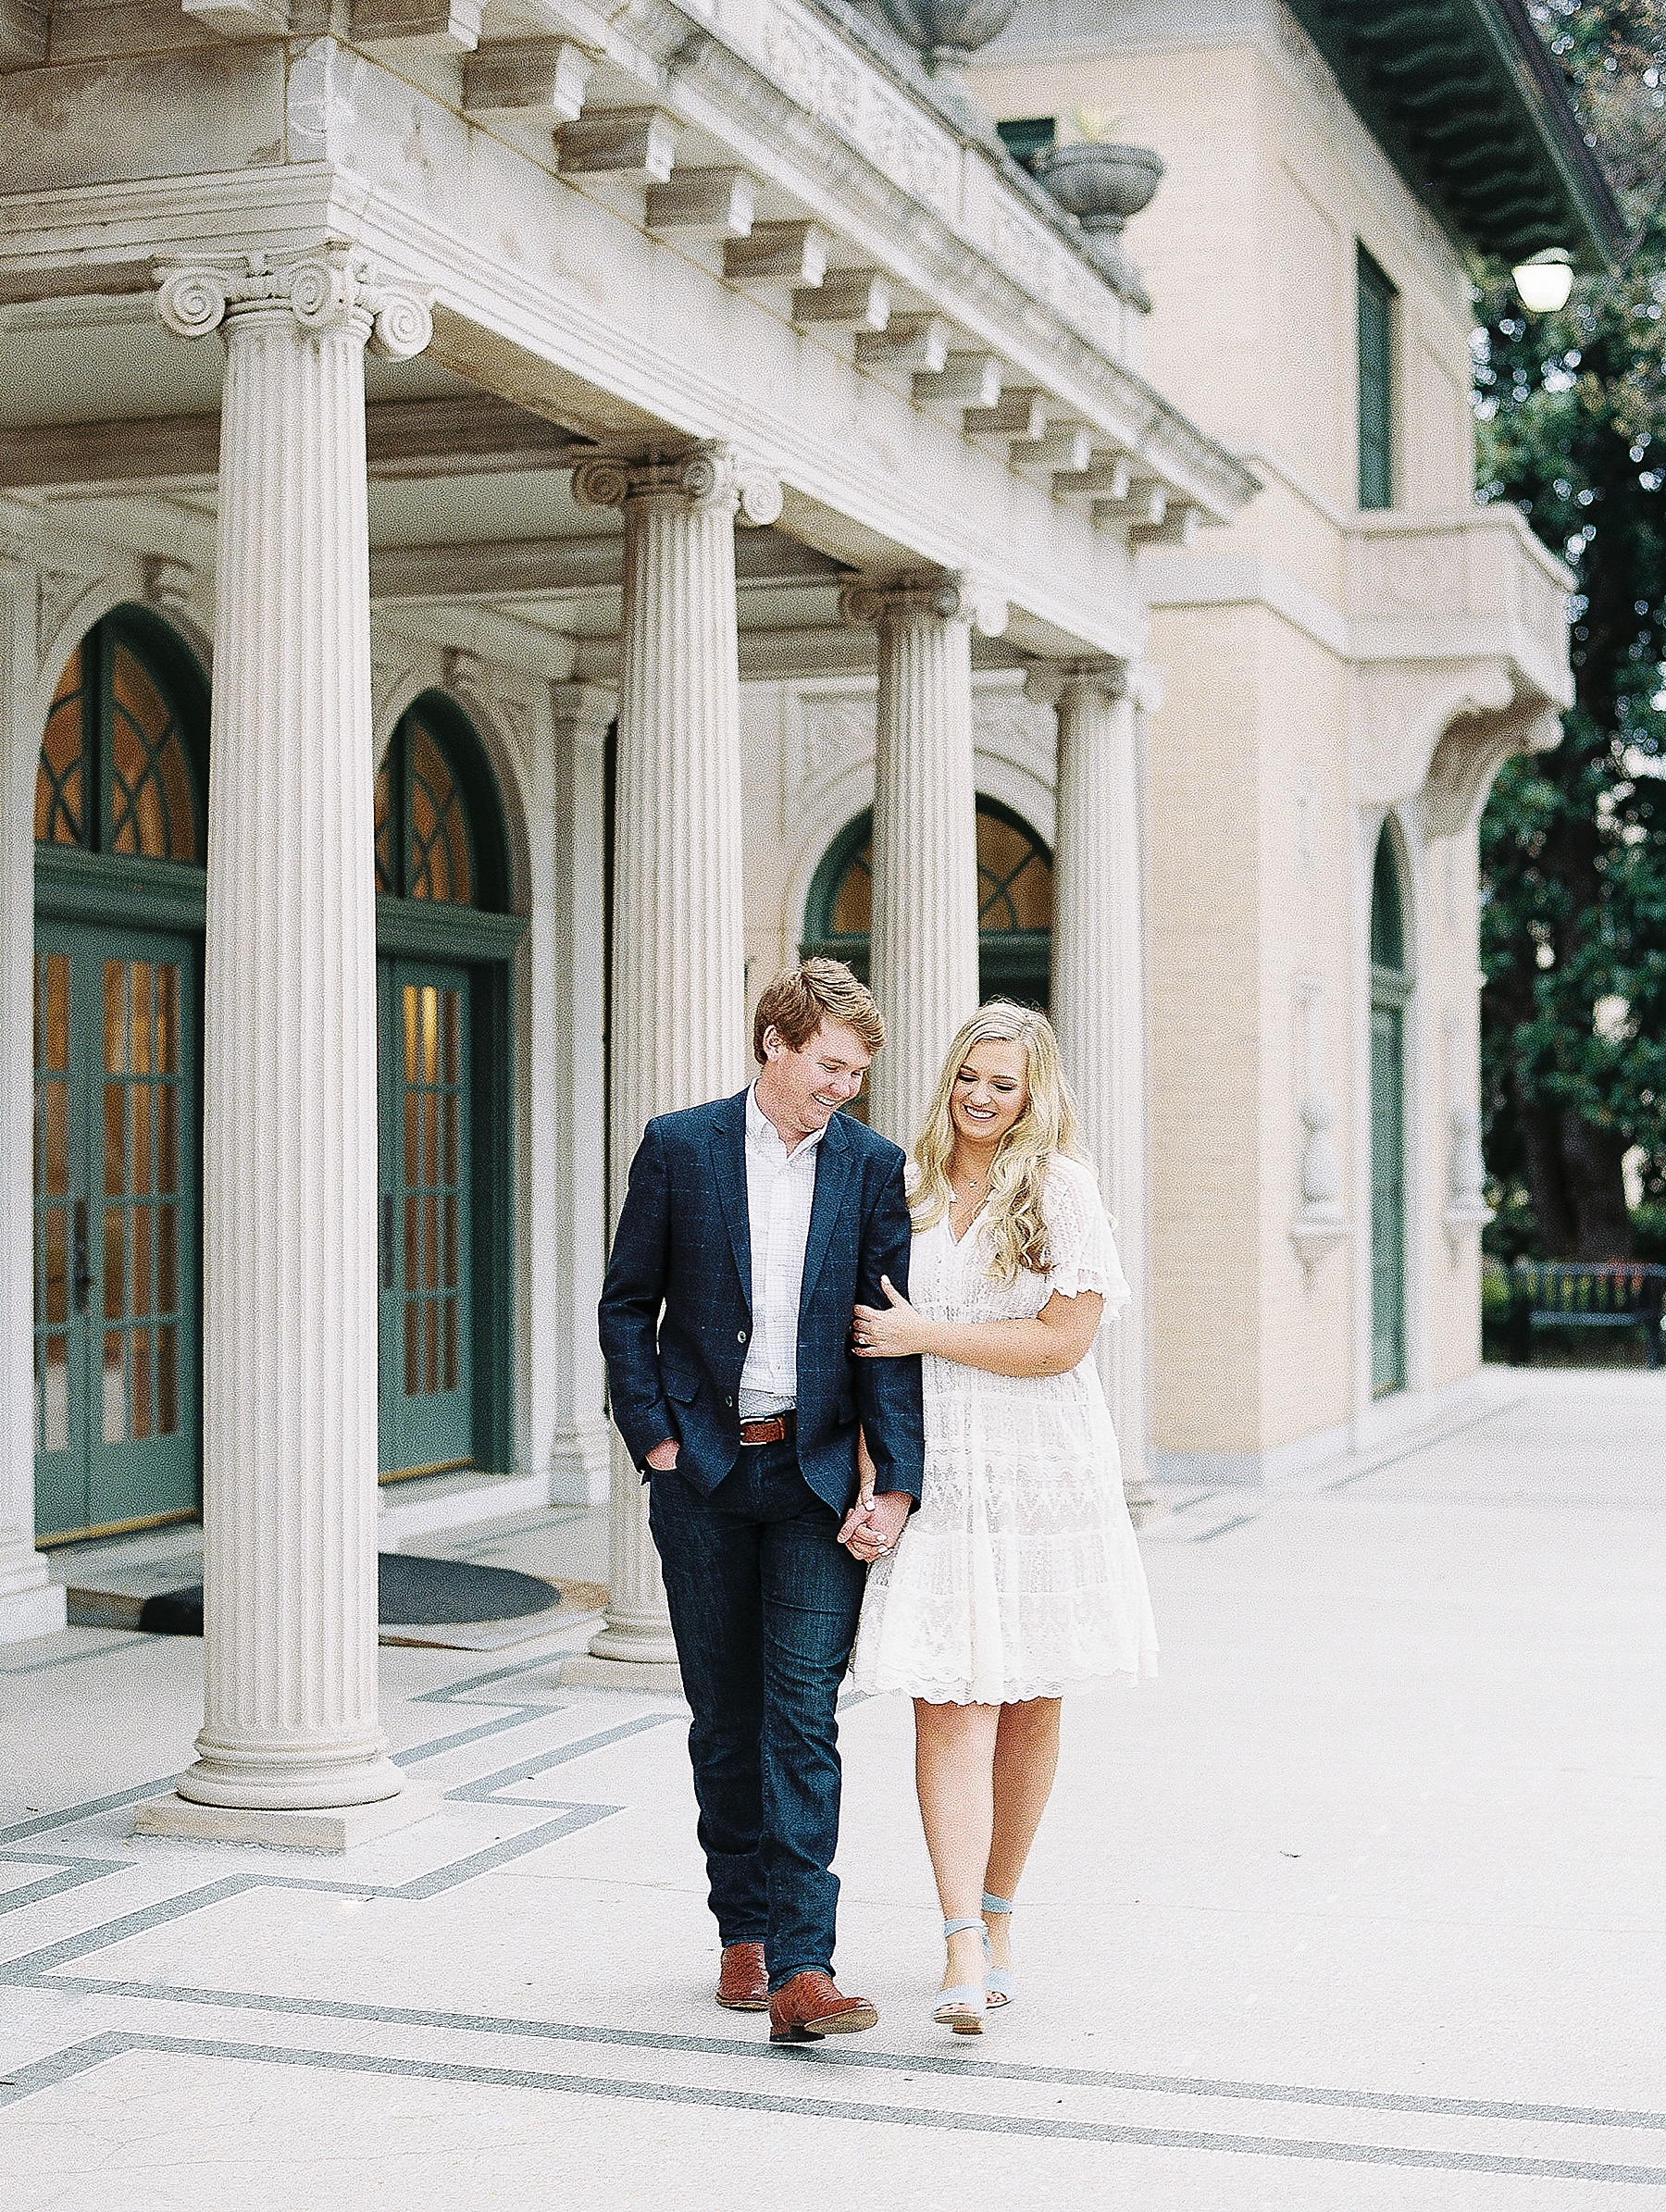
column 1000, row 1981
column 963, row 2007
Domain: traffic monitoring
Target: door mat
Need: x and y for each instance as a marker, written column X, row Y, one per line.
column 412, row 1591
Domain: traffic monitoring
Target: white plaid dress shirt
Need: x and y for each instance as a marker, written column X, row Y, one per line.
column 781, row 1191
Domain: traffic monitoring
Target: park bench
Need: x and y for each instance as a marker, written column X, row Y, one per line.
column 1622, row 1294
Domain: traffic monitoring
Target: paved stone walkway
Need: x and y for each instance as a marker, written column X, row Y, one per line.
column 1362, row 1906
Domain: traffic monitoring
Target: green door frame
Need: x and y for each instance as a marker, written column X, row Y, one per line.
column 119, row 1254
column 1389, row 995
column 1391, row 987
column 434, row 934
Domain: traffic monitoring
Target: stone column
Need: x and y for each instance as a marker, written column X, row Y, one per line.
column 1099, row 997
column 31, row 1603
column 289, row 1057
column 676, row 1036
column 578, row 1452
column 924, row 962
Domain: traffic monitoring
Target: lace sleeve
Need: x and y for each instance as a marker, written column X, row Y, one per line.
column 1083, row 1250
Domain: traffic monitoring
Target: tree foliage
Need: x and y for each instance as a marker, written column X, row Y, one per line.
column 1572, row 429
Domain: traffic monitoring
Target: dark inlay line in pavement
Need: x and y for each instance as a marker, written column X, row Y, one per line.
column 99, row 2050
column 962, row 2069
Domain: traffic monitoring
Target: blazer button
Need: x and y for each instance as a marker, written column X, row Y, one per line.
column 740, row 1335
column 729, row 1401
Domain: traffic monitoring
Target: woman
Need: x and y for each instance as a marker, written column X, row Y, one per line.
column 1019, row 1577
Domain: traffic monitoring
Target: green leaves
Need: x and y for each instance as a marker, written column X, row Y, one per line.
column 1572, row 427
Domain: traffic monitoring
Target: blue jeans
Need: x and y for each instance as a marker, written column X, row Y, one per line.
column 764, row 1605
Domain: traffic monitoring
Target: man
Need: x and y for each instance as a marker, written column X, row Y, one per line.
column 751, row 1228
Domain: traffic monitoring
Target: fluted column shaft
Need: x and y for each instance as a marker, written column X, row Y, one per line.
column 1099, row 998
column 576, row 1012
column 924, row 940
column 676, row 1036
column 31, row 1603
column 290, row 1090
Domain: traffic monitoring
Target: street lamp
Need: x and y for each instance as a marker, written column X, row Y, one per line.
column 1543, row 280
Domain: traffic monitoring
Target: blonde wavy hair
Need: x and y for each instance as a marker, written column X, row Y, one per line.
column 1012, row 1215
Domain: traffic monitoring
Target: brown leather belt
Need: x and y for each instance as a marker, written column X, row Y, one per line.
column 778, row 1429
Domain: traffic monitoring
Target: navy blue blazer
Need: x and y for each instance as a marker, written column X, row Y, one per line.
column 675, row 1312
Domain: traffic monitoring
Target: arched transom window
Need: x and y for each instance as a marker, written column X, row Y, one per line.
column 438, row 835
column 1015, row 902
column 114, row 774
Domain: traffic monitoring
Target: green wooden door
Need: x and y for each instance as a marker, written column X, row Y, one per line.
column 1387, row 1198
column 116, row 1290
column 427, row 1227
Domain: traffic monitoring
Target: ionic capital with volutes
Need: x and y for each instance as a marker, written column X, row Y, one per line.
column 710, row 478
column 947, row 594
column 329, row 287
column 1052, row 683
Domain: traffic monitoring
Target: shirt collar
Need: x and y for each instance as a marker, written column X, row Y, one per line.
column 762, row 1130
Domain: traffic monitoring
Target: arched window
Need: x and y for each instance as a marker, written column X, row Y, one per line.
column 439, row 825
column 1015, row 903
column 444, row 940
column 1388, row 919
column 119, row 887
column 118, row 772
column 1390, row 990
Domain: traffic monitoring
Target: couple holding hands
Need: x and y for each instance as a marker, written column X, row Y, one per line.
column 862, row 1392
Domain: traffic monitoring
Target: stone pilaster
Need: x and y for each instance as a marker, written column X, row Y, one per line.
column 1099, row 997
column 31, row 1603
column 578, row 1451
column 679, row 1006
column 923, row 959
column 289, row 1090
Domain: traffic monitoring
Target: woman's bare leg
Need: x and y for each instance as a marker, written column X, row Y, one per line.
column 1027, row 1759
column 954, row 1772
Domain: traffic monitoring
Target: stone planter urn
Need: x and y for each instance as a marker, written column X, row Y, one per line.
column 946, row 33
column 1101, row 186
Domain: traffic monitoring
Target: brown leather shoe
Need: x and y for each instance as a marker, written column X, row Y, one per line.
column 808, row 2007
column 742, row 1984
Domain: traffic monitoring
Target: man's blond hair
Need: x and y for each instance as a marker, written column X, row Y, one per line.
column 796, row 1002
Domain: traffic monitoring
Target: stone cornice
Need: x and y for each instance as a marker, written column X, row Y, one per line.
column 512, row 333
column 928, row 201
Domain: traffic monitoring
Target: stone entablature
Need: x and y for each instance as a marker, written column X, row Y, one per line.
column 767, row 143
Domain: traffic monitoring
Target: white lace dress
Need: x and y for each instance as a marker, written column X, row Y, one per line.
column 1019, row 1576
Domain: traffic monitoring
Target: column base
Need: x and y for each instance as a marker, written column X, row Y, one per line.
column 584, row 1670
column 225, row 1777
column 28, row 1613
column 325, row 1828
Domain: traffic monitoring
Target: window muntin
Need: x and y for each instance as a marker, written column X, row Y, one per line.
column 438, row 832
column 114, row 727
column 1014, row 879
